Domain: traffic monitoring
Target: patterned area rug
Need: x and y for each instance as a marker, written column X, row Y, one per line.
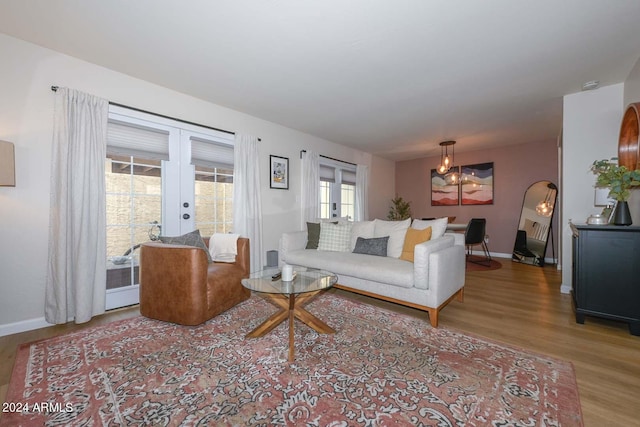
column 381, row 368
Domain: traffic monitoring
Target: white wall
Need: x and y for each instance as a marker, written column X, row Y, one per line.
column 26, row 114
column 632, row 85
column 591, row 125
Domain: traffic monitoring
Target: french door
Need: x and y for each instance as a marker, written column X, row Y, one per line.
column 337, row 189
column 163, row 177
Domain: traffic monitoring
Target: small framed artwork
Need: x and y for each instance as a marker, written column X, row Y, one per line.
column 444, row 192
column 279, row 172
column 476, row 184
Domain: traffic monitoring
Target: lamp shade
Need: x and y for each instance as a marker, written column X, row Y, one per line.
column 446, row 161
column 7, row 165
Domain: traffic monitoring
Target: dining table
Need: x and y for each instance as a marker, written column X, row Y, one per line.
column 457, row 226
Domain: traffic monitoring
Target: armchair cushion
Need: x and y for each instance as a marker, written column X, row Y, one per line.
column 190, row 239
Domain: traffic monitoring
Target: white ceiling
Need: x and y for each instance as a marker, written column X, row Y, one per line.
column 390, row 77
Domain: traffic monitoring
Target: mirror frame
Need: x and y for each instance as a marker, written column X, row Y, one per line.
column 521, row 252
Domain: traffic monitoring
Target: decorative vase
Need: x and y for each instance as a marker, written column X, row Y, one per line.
column 622, row 215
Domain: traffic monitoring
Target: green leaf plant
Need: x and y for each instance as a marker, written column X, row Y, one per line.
column 399, row 210
column 618, row 179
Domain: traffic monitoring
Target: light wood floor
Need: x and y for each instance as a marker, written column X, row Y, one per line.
column 519, row 305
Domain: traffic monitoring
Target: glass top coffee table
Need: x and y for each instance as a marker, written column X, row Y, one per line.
column 290, row 297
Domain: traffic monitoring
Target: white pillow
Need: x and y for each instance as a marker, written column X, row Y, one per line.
column 362, row 229
column 396, row 230
column 438, row 226
column 335, row 237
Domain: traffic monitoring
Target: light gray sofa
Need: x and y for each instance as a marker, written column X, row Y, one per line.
column 436, row 276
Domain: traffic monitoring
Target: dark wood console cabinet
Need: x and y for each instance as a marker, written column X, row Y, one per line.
column 606, row 273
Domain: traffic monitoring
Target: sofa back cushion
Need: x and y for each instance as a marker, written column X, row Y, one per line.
column 438, row 226
column 362, row 229
column 396, row 231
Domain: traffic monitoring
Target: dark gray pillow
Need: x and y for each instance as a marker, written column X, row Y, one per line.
column 376, row 246
column 190, row 239
column 313, row 235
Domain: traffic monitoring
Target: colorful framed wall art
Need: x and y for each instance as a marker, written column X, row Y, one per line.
column 476, row 184
column 444, row 193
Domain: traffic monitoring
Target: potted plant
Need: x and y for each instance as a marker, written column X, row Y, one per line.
column 620, row 181
column 399, row 210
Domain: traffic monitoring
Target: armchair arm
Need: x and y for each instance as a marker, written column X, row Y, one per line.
column 173, row 282
column 422, row 259
column 243, row 258
column 291, row 241
column 446, row 274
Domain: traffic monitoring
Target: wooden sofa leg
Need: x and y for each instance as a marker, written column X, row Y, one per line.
column 433, row 317
column 460, row 296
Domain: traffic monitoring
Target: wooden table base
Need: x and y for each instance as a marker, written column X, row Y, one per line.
column 291, row 308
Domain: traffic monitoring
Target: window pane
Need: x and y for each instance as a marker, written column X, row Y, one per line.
column 118, row 240
column 133, row 201
column 325, row 200
column 146, row 209
column 347, row 203
column 118, row 208
column 213, row 200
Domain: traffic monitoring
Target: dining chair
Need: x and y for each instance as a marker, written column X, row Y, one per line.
column 475, row 234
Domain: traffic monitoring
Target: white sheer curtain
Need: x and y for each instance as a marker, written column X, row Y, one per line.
column 76, row 273
column 310, row 187
column 247, row 206
column 362, row 192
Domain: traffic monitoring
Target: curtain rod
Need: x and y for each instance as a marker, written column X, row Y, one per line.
column 55, row 89
column 330, row 158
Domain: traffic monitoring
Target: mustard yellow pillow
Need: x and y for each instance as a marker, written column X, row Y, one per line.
column 411, row 239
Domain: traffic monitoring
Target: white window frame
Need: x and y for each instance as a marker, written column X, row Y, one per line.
column 343, row 174
column 178, row 174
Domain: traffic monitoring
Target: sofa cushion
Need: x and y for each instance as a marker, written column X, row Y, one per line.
column 362, row 229
column 438, row 226
column 313, row 235
column 335, row 237
column 396, row 231
column 375, row 246
column 190, row 239
column 411, row 239
column 379, row 269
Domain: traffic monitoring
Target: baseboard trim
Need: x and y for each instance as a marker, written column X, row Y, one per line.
column 565, row 289
column 23, row 326
column 503, row 255
column 493, row 254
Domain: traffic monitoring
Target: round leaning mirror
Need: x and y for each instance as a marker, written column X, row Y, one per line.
column 534, row 227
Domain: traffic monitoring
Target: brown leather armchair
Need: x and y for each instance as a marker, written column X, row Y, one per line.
column 178, row 285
